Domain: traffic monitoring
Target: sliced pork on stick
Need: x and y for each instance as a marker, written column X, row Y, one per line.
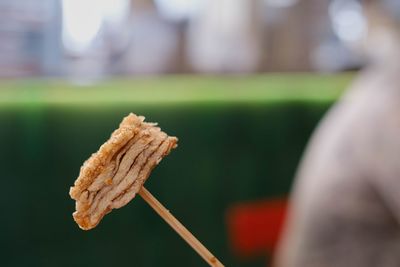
column 112, row 176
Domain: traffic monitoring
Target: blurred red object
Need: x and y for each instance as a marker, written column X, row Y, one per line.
column 254, row 228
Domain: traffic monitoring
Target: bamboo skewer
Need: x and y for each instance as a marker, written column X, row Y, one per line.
column 179, row 228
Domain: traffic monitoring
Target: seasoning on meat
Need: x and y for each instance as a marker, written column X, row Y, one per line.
column 113, row 175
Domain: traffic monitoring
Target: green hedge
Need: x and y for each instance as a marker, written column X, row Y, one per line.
column 240, row 139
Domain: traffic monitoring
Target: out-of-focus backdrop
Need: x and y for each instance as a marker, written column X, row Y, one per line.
column 242, row 83
column 88, row 40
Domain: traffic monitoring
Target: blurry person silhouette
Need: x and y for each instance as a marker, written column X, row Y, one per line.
column 345, row 205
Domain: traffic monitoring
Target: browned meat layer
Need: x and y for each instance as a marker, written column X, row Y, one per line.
column 111, row 177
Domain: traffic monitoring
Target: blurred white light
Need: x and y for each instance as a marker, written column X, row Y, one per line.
column 280, row 3
column 178, row 9
column 114, row 10
column 82, row 20
column 348, row 20
column 349, row 25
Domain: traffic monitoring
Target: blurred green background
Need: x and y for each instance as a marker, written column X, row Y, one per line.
column 240, row 139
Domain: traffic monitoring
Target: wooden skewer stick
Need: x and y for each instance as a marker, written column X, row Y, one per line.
column 180, row 229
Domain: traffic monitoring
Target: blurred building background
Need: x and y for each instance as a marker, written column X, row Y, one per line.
column 92, row 39
column 30, row 38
